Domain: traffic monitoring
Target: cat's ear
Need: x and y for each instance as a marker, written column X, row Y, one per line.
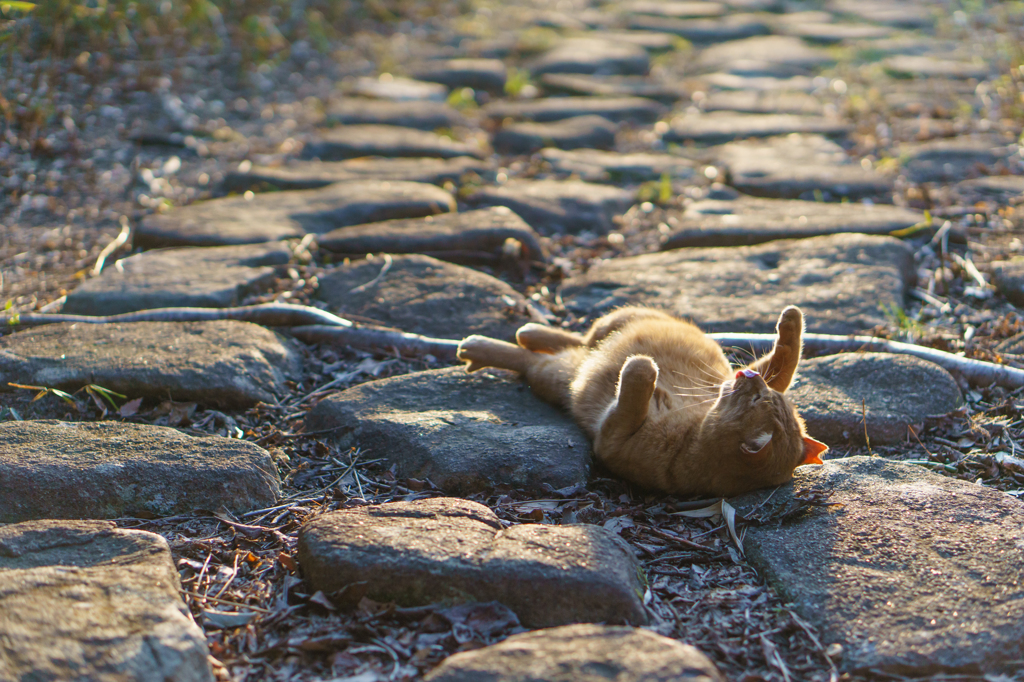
column 758, row 449
column 813, row 450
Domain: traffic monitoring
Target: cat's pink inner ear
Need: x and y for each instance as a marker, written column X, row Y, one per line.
column 813, row 450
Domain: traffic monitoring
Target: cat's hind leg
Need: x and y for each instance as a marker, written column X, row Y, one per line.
column 479, row 352
column 607, row 325
column 542, row 339
column 627, row 413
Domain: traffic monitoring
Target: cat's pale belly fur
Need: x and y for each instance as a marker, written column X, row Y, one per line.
column 660, row 402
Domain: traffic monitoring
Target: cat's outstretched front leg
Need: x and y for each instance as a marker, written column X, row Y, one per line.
column 779, row 366
column 628, row 411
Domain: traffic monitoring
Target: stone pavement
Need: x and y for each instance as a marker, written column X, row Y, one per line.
column 906, row 572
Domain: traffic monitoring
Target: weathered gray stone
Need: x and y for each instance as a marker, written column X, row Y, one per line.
column 923, row 66
column 598, row 166
column 488, row 75
column 837, row 394
column 732, row 81
column 466, row 433
column 615, row 109
column 469, row 237
column 354, row 141
column 399, row 89
column 952, row 160
column 65, row 470
column 840, row 282
column 1003, row 188
column 587, row 132
column 732, row 27
column 747, row 221
column 424, row 295
column 580, row 653
column 558, row 206
column 424, row 115
column 763, row 102
column 674, row 8
column 652, row 41
column 83, row 600
column 901, row 15
column 912, row 573
column 593, row 55
column 298, row 174
column 779, row 56
column 1008, row 278
column 612, row 86
column 216, row 277
column 829, row 33
column 723, row 126
column 447, row 549
column 281, row 215
column 800, row 167
column 229, row 363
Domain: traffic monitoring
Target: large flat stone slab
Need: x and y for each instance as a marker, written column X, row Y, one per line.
column 470, row 237
column 1001, row 188
column 800, row 167
column 101, row 470
column 281, row 215
column 763, row 102
column 926, row 66
column 423, row 295
column 840, row 282
column 578, row 132
column 83, row 600
column 952, row 160
column 593, row 55
column 423, row 115
column 466, row 433
column 673, row 8
column 745, row 221
column 354, row 141
column 736, row 82
column 580, row 653
column 446, row 549
column 615, row 109
column 727, row 28
column 912, row 573
column 398, row 89
column 908, row 15
column 216, row 277
column 829, row 33
column 299, row 174
column 778, row 56
column 841, row 397
column 488, row 75
column 601, row 166
column 558, row 206
column 226, row 363
column 722, row 126
column 612, row 86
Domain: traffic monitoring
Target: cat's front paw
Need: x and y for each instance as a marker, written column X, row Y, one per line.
column 791, row 324
column 474, row 352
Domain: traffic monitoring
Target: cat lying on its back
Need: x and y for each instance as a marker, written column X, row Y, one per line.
column 661, row 403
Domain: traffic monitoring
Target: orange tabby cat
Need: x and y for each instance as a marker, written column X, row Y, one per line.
column 661, row 403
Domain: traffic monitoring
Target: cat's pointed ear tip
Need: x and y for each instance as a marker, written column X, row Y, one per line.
column 813, row 450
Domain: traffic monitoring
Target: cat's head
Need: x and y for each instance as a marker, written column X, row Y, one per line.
column 758, row 426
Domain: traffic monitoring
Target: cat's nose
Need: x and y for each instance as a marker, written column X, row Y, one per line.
column 748, row 373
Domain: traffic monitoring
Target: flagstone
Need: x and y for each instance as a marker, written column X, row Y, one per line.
column 842, row 283
column 83, row 600
column 452, row 550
